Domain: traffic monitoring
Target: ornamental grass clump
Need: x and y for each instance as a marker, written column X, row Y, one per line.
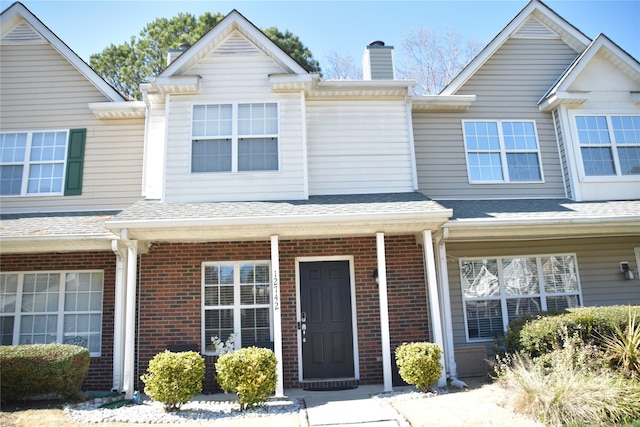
column 571, row 385
column 173, row 379
column 419, row 364
column 250, row 373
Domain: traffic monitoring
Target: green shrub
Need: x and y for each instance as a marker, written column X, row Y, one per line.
column 174, row 378
column 540, row 334
column 250, row 372
column 419, row 364
column 571, row 386
column 35, row 369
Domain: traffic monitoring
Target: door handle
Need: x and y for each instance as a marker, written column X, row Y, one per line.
column 303, row 317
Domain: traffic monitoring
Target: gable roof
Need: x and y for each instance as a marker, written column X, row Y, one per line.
column 233, row 21
column 19, row 25
column 619, row 58
column 535, row 20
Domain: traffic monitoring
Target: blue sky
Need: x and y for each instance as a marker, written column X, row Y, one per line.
column 345, row 27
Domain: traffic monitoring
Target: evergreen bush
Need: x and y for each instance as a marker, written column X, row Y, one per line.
column 250, row 373
column 540, row 334
column 419, row 363
column 36, row 369
column 174, row 378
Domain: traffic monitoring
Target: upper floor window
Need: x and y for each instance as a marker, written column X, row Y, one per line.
column 236, row 299
column 502, row 151
column 234, row 138
column 609, row 145
column 41, row 163
column 45, row 307
column 497, row 290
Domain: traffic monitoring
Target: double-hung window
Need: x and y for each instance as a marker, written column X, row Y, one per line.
column 234, row 138
column 502, row 151
column 236, row 300
column 497, row 290
column 41, row 163
column 609, row 145
column 46, row 307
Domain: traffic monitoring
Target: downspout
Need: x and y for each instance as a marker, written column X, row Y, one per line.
column 130, row 315
column 118, row 321
column 445, row 303
column 434, row 300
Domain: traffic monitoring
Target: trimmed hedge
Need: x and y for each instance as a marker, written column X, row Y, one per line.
column 539, row 334
column 419, row 363
column 35, row 369
column 250, row 372
column 174, row 378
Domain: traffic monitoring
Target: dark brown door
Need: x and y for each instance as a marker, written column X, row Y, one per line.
column 325, row 306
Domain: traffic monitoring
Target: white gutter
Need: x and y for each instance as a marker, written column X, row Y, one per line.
column 118, row 321
column 130, row 315
column 434, row 300
column 384, row 313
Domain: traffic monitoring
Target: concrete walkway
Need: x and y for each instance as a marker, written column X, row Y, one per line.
column 355, row 407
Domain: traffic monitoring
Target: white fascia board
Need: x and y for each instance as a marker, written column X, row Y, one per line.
column 441, row 215
column 547, row 228
column 556, row 99
column 56, row 244
column 442, row 102
column 118, row 110
column 17, row 9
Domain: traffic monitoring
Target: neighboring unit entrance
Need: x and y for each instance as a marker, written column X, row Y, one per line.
column 325, row 312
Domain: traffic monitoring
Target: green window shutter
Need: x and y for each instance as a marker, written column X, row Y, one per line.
column 75, row 162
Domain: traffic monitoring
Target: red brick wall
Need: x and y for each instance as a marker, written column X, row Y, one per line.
column 100, row 376
column 170, row 290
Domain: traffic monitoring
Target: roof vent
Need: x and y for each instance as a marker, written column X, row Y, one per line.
column 377, row 62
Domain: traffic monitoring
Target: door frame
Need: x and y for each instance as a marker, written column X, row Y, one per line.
column 354, row 317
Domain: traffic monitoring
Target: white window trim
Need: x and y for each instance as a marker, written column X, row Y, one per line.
column 577, row 152
column 26, row 163
column 503, row 297
column 235, row 137
column 236, row 307
column 17, row 314
column 503, row 153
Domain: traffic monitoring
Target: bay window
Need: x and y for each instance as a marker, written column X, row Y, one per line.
column 236, row 299
column 47, row 307
column 497, row 290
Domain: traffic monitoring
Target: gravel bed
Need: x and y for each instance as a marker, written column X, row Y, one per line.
column 150, row 412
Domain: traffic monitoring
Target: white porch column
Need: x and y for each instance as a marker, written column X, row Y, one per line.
column 118, row 316
column 445, row 304
column 130, row 316
column 277, row 320
column 384, row 313
column 434, row 300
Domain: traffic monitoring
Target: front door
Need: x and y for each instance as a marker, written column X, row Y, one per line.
column 325, row 314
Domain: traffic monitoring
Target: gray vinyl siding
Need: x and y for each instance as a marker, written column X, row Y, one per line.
column 41, row 90
column 598, row 266
column 507, row 87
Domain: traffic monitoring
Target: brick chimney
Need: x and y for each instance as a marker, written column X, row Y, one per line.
column 377, row 62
